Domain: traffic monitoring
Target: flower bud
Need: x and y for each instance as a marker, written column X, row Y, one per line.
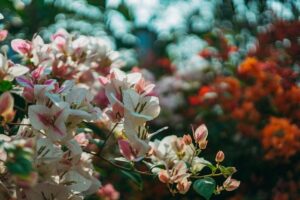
column 220, row 157
column 6, row 107
column 163, row 176
column 203, row 144
column 200, row 136
column 231, row 184
column 3, row 35
column 179, row 144
column 187, row 139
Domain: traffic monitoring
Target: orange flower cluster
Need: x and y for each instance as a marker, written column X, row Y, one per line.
column 224, row 89
column 280, row 138
column 259, row 90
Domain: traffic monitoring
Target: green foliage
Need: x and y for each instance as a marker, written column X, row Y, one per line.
column 135, row 178
column 205, row 187
column 19, row 166
column 5, row 86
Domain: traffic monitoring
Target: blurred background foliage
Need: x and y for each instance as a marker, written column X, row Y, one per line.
column 187, row 44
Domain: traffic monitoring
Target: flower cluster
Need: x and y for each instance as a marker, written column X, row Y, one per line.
column 259, row 90
column 180, row 159
column 49, row 142
column 281, row 138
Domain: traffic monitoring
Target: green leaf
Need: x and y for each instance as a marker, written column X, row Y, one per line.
column 205, row 187
column 5, row 85
column 135, row 178
column 21, row 166
column 227, row 170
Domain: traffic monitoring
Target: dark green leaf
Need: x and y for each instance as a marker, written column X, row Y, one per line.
column 5, row 86
column 21, row 166
column 134, row 177
column 205, row 187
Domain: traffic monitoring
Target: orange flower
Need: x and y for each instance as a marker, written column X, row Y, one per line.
column 249, row 67
column 280, row 138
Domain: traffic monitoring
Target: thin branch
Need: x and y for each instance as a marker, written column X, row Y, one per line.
column 109, row 134
column 207, row 175
column 120, row 166
column 18, row 124
column 20, row 109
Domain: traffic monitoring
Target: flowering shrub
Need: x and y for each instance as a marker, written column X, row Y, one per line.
column 259, row 91
column 55, row 107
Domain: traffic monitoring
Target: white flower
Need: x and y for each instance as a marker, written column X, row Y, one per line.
column 8, row 71
column 51, row 120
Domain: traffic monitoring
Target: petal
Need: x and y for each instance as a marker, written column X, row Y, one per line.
column 24, row 81
column 76, row 181
column 21, row 46
column 48, row 151
column 17, row 70
column 126, row 150
column 38, row 115
column 133, row 103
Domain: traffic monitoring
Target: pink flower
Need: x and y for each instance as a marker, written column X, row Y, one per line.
column 144, row 87
column 179, row 172
column 51, row 120
column 126, row 150
column 3, row 35
column 116, row 113
column 108, row 192
column 231, row 184
column 163, row 176
column 183, row 186
column 23, row 47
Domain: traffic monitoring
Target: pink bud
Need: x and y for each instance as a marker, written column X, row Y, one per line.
column 187, row 139
column 231, row 184
column 200, row 136
column 183, row 186
column 6, row 107
column 201, row 133
column 220, row 156
column 163, row 176
column 179, row 144
column 3, row 35
column 21, row 46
